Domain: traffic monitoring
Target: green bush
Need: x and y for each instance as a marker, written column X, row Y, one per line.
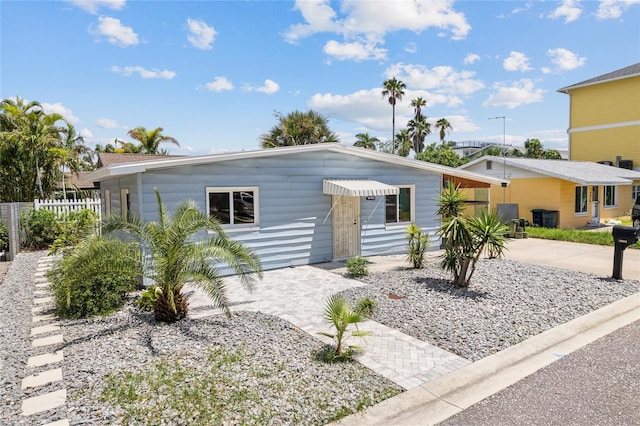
column 73, row 227
column 357, row 267
column 4, row 236
column 339, row 313
column 39, row 227
column 90, row 281
column 148, row 297
column 366, row 306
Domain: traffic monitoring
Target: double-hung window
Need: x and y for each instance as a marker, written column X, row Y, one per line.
column 400, row 207
column 581, row 200
column 635, row 192
column 237, row 206
column 610, row 196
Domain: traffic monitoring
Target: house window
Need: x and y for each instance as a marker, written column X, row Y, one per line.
column 635, row 192
column 489, row 164
column 609, row 196
column 581, row 199
column 233, row 206
column 399, row 208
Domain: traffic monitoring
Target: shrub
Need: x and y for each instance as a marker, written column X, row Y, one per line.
column 4, row 236
column 148, row 297
column 417, row 246
column 341, row 315
column 39, row 227
column 366, row 306
column 357, row 267
column 73, row 227
column 90, row 281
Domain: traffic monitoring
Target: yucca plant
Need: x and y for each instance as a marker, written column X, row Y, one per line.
column 417, row 246
column 339, row 313
column 176, row 256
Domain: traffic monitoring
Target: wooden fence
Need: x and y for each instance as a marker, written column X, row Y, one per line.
column 62, row 207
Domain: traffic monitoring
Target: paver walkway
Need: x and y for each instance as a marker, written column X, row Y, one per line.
column 44, row 367
column 298, row 295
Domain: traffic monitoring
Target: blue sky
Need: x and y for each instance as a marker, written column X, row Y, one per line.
column 212, row 73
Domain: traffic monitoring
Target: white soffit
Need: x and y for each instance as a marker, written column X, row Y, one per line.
column 357, row 187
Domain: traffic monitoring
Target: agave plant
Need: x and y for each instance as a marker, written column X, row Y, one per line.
column 339, row 313
column 175, row 256
column 417, row 246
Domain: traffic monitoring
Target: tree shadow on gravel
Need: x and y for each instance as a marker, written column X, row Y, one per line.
column 445, row 286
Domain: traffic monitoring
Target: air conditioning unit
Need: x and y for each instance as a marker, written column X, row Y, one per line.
column 606, row 163
column 625, row 164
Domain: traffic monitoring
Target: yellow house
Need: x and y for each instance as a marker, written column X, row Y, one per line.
column 604, row 118
column 559, row 193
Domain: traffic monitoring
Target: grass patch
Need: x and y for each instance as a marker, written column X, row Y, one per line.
column 603, row 238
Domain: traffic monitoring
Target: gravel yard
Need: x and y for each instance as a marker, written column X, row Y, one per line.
column 262, row 367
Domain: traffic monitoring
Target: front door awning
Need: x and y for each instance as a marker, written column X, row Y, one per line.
column 357, row 187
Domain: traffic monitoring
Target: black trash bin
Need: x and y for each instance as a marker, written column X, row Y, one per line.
column 537, row 216
column 550, row 218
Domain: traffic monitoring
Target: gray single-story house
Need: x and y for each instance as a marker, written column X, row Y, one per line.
column 294, row 205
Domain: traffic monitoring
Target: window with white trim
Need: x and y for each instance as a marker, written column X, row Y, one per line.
column 581, row 200
column 237, row 206
column 609, row 196
column 400, row 207
column 635, row 192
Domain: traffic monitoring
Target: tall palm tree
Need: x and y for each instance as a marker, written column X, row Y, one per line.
column 176, row 258
column 365, row 140
column 394, row 91
column 150, row 139
column 403, row 139
column 298, row 128
column 444, row 127
column 419, row 128
column 417, row 105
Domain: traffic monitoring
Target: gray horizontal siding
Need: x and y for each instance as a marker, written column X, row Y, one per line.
column 292, row 207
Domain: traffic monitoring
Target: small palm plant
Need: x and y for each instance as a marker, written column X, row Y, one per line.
column 417, row 246
column 339, row 313
column 465, row 239
column 175, row 256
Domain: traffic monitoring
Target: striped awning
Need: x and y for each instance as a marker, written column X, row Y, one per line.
column 357, row 187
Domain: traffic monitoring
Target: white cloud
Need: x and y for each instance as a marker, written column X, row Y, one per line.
column 202, row 35
column 570, row 10
column 440, row 79
column 144, row 73
column 411, row 47
column 565, row 60
column 107, row 123
column 471, row 58
column 269, row 87
column 86, row 133
column 116, row 33
column 364, row 24
column 521, row 9
column 521, row 92
column 516, row 61
column 219, row 84
column 58, row 108
column 612, row 9
column 354, row 51
column 93, row 6
column 459, row 124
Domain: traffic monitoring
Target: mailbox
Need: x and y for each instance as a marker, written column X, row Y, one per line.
column 623, row 237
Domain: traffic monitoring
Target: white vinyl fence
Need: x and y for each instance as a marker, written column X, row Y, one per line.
column 61, row 207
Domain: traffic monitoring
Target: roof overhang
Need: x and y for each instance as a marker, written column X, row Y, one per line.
column 357, row 187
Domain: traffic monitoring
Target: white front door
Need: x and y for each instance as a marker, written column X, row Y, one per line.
column 346, row 226
column 595, row 204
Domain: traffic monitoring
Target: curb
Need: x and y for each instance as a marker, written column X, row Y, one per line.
column 436, row 401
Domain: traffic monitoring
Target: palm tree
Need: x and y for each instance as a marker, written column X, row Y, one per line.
column 150, row 139
column 364, row 140
column 419, row 128
column 444, row 127
column 298, row 128
column 176, row 257
column 394, row 90
column 417, row 105
column 403, row 140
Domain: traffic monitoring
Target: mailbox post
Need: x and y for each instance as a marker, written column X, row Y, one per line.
column 623, row 237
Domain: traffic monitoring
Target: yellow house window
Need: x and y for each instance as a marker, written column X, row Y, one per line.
column 635, row 192
column 609, row 196
column 581, row 200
